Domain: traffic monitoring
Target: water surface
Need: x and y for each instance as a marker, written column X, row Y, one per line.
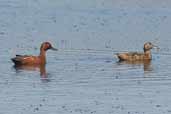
column 84, row 76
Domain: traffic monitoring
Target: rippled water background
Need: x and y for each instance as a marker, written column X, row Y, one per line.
column 84, row 76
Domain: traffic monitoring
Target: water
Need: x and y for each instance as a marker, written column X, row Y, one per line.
column 84, row 77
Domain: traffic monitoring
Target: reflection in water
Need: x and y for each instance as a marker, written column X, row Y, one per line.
column 146, row 64
column 40, row 68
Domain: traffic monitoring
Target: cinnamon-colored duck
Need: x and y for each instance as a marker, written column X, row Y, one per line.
column 135, row 56
column 34, row 60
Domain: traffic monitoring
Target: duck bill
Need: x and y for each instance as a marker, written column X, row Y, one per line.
column 54, row 49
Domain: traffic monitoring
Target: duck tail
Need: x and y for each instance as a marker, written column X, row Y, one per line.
column 120, row 57
column 16, row 61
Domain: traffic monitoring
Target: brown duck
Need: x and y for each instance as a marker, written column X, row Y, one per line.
column 135, row 56
column 34, row 60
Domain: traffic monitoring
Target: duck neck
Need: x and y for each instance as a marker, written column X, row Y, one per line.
column 148, row 54
column 42, row 56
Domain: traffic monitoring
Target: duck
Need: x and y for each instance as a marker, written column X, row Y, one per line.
column 34, row 60
column 135, row 56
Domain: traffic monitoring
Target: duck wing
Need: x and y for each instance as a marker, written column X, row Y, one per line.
column 135, row 54
column 22, row 59
column 130, row 56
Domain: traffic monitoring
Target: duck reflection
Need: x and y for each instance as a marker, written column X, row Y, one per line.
column 40, row 68
column 146, row 64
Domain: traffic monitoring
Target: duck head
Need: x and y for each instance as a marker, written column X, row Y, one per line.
column 46, row 46
column 148, row 46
